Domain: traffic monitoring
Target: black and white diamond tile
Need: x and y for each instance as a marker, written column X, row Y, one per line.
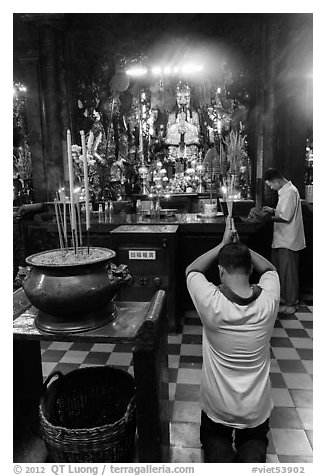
column 291, row 378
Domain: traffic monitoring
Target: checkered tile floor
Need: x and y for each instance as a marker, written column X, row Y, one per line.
column 291, row 376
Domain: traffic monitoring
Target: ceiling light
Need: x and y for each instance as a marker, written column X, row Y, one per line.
column 138, row 71
column 156, row 70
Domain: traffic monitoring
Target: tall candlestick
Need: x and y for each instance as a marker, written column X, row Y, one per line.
column 82, row 135
column 71, row 186
column 141, row 138
column 220, row 151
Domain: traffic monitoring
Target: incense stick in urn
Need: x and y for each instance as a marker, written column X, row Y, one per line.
column 71, row 187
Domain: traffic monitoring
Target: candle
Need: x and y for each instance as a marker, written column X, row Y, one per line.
column 140, row 138
column 185, row 152
column 61, row 193
column 71, row 181
column 220, row 152
column 82, row 135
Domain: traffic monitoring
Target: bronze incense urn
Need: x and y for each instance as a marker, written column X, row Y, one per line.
column 73, row 293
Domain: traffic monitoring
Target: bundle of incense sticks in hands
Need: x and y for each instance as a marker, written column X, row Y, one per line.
column 229, row 204
column 229, row 196
column 235, row 236
column 229, row 224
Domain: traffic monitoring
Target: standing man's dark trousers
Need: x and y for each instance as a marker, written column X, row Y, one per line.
column 248, row 445
column 286, row 263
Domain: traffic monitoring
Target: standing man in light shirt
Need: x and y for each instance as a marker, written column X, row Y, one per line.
column 288, row 237
column 238, row 320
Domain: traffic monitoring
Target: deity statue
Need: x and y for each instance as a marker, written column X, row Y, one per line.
column 182, row 131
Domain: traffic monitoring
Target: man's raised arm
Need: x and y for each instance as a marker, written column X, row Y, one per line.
column 203, row 262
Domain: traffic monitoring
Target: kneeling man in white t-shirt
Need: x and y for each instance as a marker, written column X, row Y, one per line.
column 238, row 320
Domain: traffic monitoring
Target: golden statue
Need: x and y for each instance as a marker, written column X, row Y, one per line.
column 182, row 131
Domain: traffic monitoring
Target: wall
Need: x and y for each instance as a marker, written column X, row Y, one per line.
column 38, row 63
column 288, row 96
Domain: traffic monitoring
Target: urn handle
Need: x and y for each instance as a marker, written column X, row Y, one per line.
column 120, row 274
column 27, row 271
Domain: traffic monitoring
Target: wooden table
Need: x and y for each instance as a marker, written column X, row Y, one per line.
column 144, row 324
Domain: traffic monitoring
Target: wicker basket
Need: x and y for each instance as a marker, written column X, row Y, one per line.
column 89, row 415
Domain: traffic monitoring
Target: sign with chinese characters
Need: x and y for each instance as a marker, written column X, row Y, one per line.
column 142, row 254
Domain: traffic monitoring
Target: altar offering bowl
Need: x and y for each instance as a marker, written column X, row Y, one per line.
column 240, row 207
column 73, row 292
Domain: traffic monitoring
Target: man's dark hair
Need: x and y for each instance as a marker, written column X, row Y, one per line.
column 273, row 174
column 235, row 257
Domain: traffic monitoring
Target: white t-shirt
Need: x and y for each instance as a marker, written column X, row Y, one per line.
column 235, row 386
column 289, row 235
